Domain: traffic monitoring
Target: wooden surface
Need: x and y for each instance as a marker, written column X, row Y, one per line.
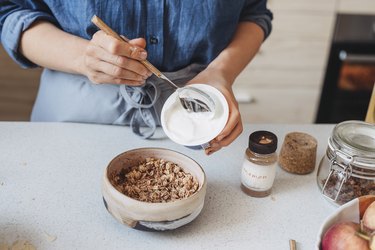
column 356, row 6
column 18, row 89
column 283, row 82
column 370, row 116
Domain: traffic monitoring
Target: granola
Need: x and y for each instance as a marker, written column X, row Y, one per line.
column 155, row 180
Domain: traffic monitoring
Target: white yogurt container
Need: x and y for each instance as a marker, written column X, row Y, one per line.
column 194, row 130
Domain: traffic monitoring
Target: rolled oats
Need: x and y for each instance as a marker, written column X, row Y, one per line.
column 155, row 180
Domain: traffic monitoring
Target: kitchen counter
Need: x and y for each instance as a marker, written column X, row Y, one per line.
column 50, row 192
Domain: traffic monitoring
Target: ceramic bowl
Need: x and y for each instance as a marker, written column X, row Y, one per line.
column 153, row 216
column 350, row 211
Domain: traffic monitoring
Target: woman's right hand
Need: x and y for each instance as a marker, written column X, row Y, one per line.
column 108, row 60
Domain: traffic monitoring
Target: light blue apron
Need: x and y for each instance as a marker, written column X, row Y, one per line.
column 66, row 97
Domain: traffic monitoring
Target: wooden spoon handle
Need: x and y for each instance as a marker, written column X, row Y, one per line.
column 104, row 27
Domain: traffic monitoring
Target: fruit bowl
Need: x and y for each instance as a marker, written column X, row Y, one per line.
column 352, row 211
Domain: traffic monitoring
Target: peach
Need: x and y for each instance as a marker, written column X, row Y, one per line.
column 342, row 236
column 369, row 217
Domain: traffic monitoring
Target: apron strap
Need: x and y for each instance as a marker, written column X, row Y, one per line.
column 146, row 101
column 141, row 99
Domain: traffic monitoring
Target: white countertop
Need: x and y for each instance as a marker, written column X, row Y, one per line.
column 50, row 192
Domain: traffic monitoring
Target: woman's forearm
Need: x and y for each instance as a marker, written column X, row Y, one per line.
column 241, row 50
column 222, row 72
column 103, row 59
column 46, row 45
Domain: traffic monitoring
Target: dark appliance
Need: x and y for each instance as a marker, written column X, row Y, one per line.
column 350, row 72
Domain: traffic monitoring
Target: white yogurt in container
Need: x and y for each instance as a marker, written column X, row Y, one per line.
column 192, row 129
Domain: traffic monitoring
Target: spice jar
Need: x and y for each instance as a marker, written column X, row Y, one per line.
column 259, row 166
column 347, row 171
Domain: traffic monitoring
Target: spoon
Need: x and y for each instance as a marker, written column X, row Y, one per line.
column 192, row 99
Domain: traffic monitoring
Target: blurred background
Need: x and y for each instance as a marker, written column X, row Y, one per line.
column 318, row 65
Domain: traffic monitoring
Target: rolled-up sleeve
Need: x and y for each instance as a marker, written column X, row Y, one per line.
column 13, row 21
column 256, row 11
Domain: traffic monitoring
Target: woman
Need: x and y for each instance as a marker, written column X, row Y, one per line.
column 91, row 77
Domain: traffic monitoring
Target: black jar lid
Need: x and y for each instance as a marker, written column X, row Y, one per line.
column 263, row 142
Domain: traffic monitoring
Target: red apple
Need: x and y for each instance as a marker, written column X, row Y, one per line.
column 369, row 217
column 342, row 236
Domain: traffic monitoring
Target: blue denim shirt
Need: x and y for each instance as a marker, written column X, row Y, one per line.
column 182, row 38
column 178, row 33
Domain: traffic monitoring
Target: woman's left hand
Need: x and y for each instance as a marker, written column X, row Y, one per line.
column 233, row 128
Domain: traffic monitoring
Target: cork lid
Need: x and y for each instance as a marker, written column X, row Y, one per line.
column 263, row 142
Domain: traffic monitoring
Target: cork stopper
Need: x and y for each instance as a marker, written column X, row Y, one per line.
column 298, row 153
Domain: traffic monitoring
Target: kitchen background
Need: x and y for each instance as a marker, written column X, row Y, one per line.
column 282, row 84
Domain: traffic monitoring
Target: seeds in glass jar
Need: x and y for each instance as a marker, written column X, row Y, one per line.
column 354, row 187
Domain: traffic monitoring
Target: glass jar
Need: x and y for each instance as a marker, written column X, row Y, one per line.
column 259, row 166
column 347, row 171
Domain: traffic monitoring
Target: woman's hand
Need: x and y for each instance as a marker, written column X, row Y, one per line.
column 222, row 72
column 107, row 60
column 233, row 128
column 103, row 59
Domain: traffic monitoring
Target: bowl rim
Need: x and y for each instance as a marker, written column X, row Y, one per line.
column 340, row 214
column 225, row 105
column 330, row 219
column 176, row 202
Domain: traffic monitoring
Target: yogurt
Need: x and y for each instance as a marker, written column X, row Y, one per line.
column 190, row 128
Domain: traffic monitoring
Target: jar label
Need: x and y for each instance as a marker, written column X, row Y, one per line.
column 258, row 177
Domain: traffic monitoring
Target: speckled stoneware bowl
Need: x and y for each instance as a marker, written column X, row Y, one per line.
column 153, row 216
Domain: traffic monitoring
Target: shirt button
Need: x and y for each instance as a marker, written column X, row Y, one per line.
column 154, row 40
